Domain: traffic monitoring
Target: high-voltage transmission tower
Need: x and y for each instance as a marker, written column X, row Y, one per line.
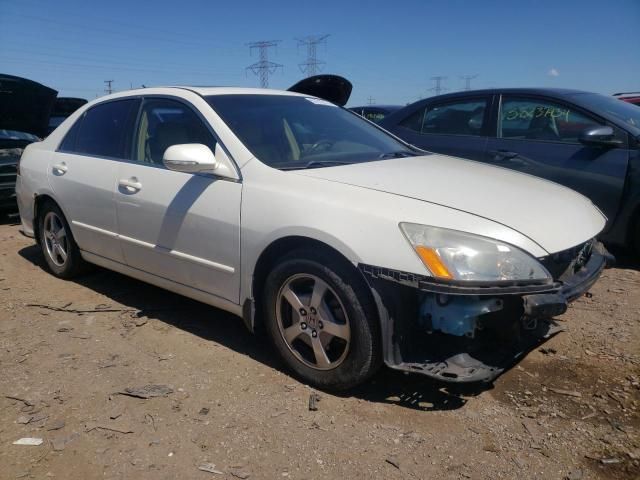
column 107, row 87
column 467, row 80
column 312, row 65
column 438, row 88
column 263, row 67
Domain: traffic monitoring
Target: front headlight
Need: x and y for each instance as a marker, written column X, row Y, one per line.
column 454, row 255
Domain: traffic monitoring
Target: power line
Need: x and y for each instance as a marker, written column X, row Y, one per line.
column 67, row 41
column 89, row 22
column 263, row 67
column 108, row 90
column 120, row 34
column 105, row 61
column 467, row 80
column 312, row 65
column 438, row 88
column 371, row 100
column 103, row 66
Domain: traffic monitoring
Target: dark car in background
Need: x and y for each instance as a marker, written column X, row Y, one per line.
column 629, row 97
column 62, row 108
column 12, row 143
column 586, row 141
column 25, row 107
column 375, row 113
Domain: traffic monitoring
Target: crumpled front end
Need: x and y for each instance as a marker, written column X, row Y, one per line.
column 460, row 332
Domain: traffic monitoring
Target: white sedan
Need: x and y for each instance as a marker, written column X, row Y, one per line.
column 349, row 247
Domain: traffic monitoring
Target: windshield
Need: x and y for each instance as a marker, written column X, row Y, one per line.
column 628, row 113
column 15, row 135
column 292, row 132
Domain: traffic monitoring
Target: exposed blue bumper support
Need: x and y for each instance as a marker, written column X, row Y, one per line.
column 508, row 320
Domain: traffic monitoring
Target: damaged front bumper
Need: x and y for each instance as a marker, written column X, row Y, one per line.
column 460, row 332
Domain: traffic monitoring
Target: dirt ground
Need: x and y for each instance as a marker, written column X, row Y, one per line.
column 570, row 409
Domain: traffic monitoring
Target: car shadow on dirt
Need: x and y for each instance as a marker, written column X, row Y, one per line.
column 388, row 386
column 416, row 391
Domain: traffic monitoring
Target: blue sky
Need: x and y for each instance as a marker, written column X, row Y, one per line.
column 389, row 50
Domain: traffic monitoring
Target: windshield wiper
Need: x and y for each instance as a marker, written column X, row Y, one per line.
column 316, row 164
column 333, row 163
column 397, row 154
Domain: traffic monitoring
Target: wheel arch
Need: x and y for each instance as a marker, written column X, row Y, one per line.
column 270, row 256
column 39, row 200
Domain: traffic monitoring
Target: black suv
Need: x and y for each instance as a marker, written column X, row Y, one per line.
column 25, row 107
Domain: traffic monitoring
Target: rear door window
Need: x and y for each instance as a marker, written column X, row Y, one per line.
column 104, row 130
column 542, row 120
column 374, row 115
column 459, row 117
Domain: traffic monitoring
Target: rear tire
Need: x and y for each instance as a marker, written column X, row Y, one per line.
column 57, row 243
column 322, row 320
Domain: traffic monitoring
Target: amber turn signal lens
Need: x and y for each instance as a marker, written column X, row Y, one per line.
column 433, row 262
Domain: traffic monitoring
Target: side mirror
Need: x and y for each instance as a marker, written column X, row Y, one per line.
column 190, row 158
column 599, row 136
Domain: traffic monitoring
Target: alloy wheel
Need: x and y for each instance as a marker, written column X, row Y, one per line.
column 55, row 239
column 313, row 322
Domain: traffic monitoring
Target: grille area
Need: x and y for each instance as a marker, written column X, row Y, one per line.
column 9, row 158
column 7, row 174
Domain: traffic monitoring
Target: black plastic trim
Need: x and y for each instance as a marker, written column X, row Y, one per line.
column 429, row 284
column 580, row 282
column 570, row 287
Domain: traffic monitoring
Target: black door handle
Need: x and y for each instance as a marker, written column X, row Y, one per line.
column 503, row 154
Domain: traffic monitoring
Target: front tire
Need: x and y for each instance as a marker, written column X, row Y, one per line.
column 57, row 243
column 322, row 320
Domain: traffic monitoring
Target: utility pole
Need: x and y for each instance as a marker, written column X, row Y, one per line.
column 438, row 88
column 312, row 65
column 371, row 100
column 263, row 67
column 107, row 87
column 467, row 80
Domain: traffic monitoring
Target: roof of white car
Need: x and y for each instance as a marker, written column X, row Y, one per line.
column 206, row 91
column 238, row 91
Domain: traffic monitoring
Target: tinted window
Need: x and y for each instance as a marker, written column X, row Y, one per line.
column 625, row 111
column 462, row 117
column 14, row 135
column 289, row 132
column 414, row 121
column 55, row 121
column 534, row 119
column 164, row 123
column 374, row 115
column 103, row 130
column 69, row 142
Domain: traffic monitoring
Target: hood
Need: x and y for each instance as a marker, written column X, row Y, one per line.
column 332, row 88
column 553, row 216
column 25, row 105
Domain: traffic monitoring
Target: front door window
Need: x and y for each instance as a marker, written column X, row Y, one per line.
column 164, row 123
column 533, row 119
